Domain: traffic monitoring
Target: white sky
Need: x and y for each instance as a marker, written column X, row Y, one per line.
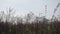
column 36, row 6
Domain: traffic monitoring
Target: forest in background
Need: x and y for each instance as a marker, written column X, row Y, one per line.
column 30, row 24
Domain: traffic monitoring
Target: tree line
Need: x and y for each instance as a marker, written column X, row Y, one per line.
column 16, row 25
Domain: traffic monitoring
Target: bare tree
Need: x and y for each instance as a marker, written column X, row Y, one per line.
column 29, row 16
column 2, row 16
column 55, row 10
column 10, row 13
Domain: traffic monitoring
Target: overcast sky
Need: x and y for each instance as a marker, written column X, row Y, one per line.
column 23, row 7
